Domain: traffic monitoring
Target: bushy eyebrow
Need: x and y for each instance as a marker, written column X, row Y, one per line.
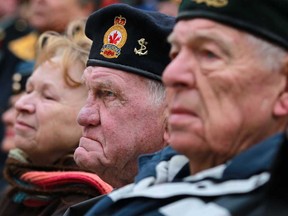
column 214, row 38
column 102, row 85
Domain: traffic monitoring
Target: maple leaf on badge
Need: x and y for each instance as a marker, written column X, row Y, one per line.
column 114, row 39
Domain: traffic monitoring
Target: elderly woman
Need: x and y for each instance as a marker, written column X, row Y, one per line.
column 41, row 170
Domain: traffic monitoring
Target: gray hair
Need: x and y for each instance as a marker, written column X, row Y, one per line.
column 157, row 91
column 272, row 55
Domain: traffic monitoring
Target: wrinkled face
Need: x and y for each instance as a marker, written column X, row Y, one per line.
column 46, row 126
column 120, row 122
column 9, row 117
column 54, row 14
column 223, row 96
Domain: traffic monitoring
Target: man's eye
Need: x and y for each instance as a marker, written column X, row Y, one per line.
column 209, row 54
column 106, row 93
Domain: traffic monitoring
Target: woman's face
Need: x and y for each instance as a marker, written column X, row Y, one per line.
column 46, row 126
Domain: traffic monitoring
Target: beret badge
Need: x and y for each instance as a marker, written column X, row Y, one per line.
column 143, row 49
column 114, row 38
column 213, row 3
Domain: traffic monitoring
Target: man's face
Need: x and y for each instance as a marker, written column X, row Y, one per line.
column 120, row 122
column 223, row 96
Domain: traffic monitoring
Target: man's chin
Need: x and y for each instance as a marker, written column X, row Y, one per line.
column 80, row 156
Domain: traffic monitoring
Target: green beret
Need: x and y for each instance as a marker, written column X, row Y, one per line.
column 130, row 39
column 267, row 19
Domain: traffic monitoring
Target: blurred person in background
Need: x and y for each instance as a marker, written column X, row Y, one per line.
column 9, row 116
column 55, row 15
column 13, row 25
column 169, row 7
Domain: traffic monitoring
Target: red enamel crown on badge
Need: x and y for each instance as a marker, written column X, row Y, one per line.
column 119, row 20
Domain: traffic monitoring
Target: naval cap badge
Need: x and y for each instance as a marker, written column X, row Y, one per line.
column 114, row 38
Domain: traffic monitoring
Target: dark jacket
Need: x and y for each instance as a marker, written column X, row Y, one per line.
column 253, row 183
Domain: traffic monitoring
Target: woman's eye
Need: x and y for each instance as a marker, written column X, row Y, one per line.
column 48, row 97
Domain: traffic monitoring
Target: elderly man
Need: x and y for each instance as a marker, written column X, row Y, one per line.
column 126, row 111
column 228, row 116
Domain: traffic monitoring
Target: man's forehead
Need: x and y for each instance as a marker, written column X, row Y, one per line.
column 261, row 18
column 202, row 28
column 102, row 76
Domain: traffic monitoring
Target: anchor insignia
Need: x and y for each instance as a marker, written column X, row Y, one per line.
column 142, row 50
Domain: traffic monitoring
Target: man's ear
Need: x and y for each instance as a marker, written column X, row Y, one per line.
column 281, row 106
column 166, row 134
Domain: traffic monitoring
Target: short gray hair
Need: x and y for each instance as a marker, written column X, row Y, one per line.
column 272, row 55
column 157, row 91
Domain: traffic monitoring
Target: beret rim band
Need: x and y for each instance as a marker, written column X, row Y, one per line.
column 234, row 23
column 137, row 71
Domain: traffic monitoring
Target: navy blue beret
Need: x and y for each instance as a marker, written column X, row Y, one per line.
column 130, row 39
column 267, row 19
